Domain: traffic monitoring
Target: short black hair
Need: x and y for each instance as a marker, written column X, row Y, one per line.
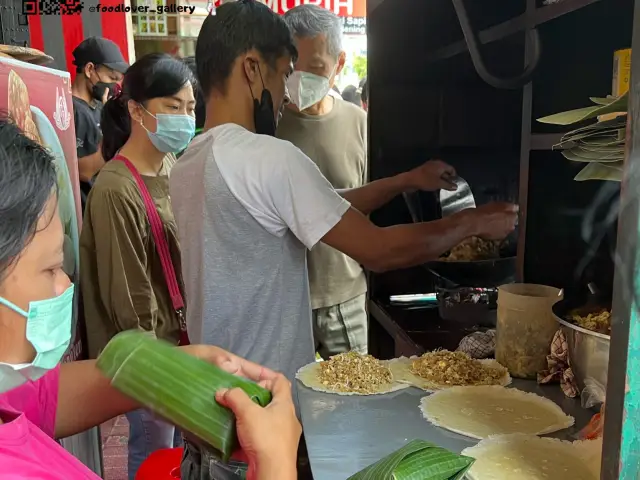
column 27, row 181
column 350, row 94
column 236, row 28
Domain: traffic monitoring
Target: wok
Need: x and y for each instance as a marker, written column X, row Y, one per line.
column 481, row 273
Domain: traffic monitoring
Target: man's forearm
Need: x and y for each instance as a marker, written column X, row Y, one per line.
column 414, row 244
column 374, row 195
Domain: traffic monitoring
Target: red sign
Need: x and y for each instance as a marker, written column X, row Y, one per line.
column 38, row 99
column 342, row 8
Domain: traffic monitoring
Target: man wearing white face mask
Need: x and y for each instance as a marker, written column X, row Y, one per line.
column 332, row 133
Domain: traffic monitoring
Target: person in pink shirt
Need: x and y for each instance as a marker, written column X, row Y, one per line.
column 41, row 399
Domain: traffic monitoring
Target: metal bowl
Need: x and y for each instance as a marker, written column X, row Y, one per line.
column 588, row 353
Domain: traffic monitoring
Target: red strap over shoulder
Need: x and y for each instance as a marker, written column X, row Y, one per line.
column 160, row 239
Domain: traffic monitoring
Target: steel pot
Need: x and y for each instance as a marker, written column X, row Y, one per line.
column 588, row 350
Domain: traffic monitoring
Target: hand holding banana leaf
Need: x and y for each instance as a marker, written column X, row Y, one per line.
column 274, row 458
column 181, row 384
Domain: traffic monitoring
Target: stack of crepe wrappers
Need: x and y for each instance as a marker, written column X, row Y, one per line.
column 417, row 460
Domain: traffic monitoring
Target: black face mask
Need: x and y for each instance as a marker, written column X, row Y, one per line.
column 263, row 117
column 98, row 89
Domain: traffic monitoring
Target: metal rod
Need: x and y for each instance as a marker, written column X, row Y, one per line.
column 510, row 27
column 473, row 44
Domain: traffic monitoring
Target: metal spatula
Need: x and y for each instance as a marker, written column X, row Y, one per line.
column 460, row 199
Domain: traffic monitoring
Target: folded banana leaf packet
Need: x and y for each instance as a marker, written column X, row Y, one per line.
column 417, row 460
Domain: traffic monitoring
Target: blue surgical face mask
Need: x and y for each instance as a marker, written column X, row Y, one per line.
column 49, row 332
column 173, row 132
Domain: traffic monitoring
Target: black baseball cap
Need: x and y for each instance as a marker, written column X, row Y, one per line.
column 99, row 51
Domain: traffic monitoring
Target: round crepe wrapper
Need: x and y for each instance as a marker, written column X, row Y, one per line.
column 401, row 371
column 535, row 415
column 537, row 456
column 308, row 375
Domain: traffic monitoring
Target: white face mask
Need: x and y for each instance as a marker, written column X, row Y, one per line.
column 307, row 89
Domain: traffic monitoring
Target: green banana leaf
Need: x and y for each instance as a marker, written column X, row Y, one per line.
column 574, row 116
column 417, row 460
column 602, row 141
column 590, row 142
column 577, row 155
column 600, row 149
column 599, row 171
column 602, row 100
column 595, row 131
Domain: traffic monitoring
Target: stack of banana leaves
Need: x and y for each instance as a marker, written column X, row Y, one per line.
column 417, row 460
column 600, row 145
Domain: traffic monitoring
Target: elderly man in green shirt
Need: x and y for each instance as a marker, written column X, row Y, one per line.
column 333, row 133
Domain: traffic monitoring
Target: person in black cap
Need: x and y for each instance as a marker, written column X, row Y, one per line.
column 99, row 68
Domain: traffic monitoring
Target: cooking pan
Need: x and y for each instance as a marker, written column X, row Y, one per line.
column 481, row 273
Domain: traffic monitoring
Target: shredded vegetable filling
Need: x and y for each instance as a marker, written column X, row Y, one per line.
column 353, row 372
column 596, row 322
column 473, row 249
column 443, row 367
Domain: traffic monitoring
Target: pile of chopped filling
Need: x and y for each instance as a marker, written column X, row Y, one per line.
column 355, row 373
column 443, row 367
column 473, row 249
column 596, row 322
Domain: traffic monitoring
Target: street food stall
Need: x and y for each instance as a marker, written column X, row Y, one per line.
column 495, row 359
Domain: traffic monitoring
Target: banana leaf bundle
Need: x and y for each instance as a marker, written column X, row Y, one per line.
column 417, row 460
column 177, row 386
column 600, row 145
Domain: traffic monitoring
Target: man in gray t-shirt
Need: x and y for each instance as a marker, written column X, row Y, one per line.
column 332, row 133
column 249, row 206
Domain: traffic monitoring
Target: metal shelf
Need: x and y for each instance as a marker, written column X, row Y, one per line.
column 523, row 22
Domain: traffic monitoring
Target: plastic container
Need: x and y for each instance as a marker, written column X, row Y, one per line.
column 525, row 327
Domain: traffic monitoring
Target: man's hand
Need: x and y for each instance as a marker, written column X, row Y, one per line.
column 493, row 221
column 105, row 96
column 268, row 457
column 431, row 176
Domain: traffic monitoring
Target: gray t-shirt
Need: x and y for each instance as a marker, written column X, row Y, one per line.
column 247, row 208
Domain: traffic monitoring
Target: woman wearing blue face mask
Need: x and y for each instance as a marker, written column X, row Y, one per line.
column 129, row 253
column 41, row 399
